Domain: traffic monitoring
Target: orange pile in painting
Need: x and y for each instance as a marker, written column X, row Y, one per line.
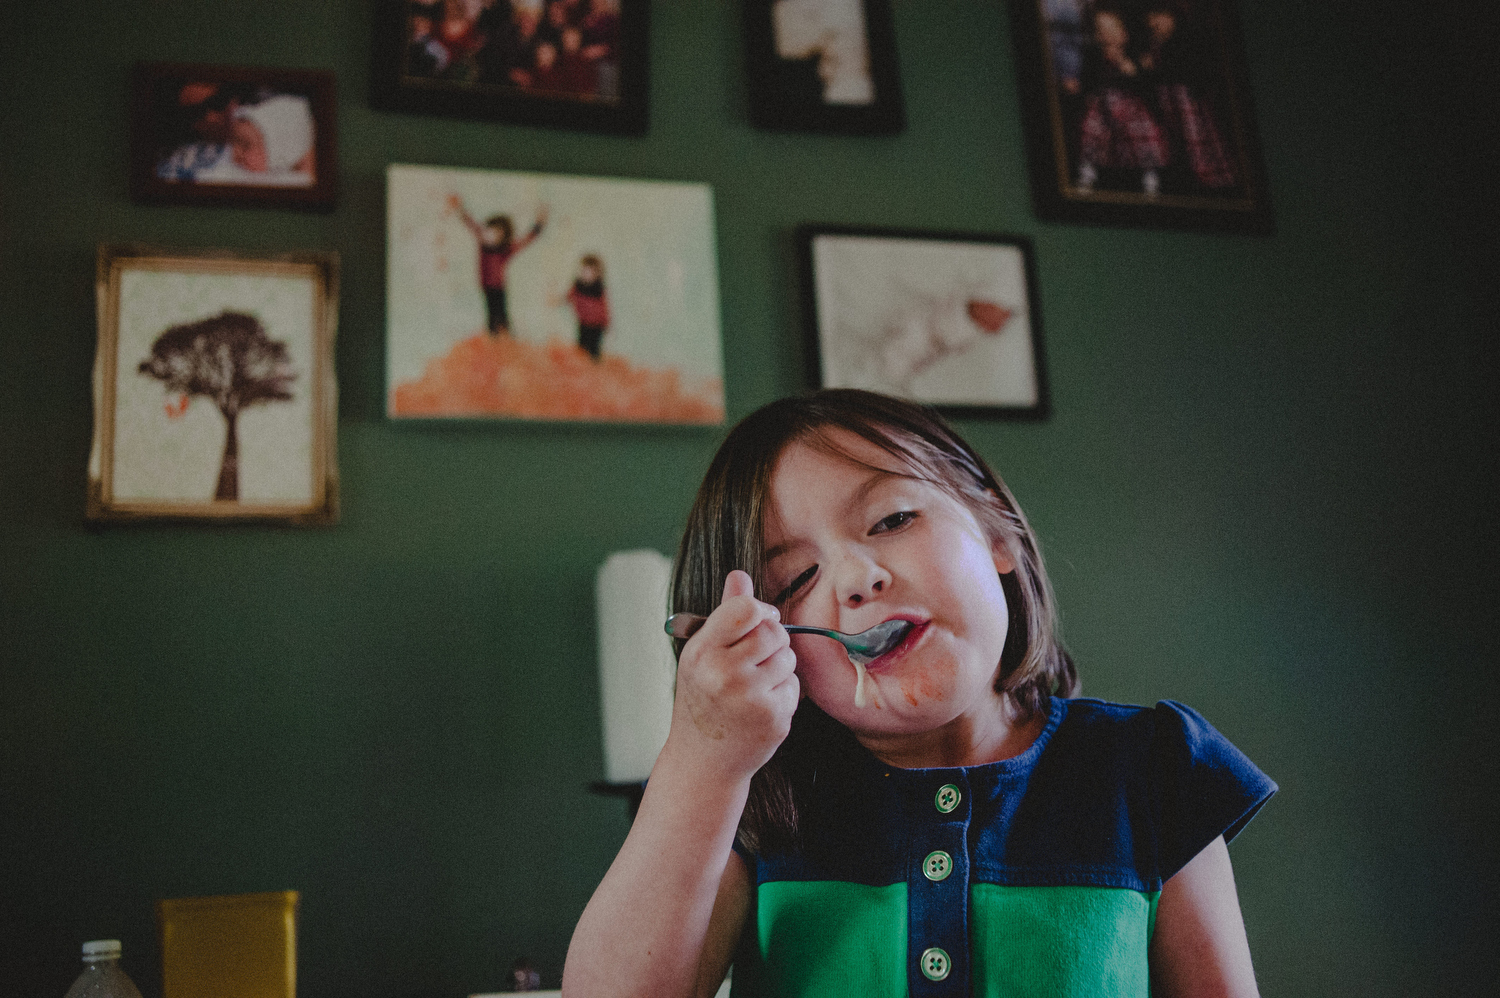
column 501, row 376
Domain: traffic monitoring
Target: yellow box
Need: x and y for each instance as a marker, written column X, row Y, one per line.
column 232, row 946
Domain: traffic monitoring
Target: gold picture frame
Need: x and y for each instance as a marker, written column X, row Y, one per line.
column 204, row 352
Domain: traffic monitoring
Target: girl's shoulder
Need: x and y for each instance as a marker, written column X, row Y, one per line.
column 1167, row 734
column 1169, row 722
column 1198, row 783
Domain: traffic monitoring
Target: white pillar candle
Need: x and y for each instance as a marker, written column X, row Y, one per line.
column 636, row 667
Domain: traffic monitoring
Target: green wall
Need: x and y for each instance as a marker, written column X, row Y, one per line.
column 1264, row 491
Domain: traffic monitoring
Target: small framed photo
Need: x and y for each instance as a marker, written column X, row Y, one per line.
column 579, row 64
column 548, row 297
column 949, row 319
column 233, row 135
column 823, row 66
column 214, row 390
column 1138, row 112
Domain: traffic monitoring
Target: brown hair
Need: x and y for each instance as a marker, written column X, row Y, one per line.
column 504, row 224
column 725, row 531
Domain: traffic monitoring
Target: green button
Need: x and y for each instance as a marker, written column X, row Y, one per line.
column 937, row 865
column 935, row 964
column 947, row 798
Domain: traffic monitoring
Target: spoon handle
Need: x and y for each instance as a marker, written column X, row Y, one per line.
column 685, row 625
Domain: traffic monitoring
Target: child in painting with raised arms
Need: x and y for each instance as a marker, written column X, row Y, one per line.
column 949, row 819
column 498, row 245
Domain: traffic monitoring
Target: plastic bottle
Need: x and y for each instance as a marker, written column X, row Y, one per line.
column 102, row 976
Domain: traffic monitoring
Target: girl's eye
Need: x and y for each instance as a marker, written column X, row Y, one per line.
column 797, row 584
column 893, row 522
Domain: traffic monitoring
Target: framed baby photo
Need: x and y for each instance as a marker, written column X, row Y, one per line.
column 580, row 64
column 1138, row 112
column 540, row 296
column 823, row 66
column 948, row 319
column 214, row 390
column 233, row 135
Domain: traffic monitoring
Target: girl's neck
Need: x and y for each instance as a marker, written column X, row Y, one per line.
column 971, row 739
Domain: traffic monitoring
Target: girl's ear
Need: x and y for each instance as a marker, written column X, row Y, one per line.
column 1004, row 563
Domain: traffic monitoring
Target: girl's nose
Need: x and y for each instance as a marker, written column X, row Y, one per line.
column 860, row 578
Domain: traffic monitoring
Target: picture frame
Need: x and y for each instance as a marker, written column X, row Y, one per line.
column 582, row 66
column 1139, row 113
column 215, row 398
column 233, row 135
column 823, row 66
column 540, row 296
column 950, row 319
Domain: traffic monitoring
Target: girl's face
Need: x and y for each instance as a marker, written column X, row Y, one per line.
column 1110, row 30
column 1162, row 24
column 849, row 547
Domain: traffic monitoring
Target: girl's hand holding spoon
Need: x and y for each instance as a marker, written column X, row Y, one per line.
column 736, row 685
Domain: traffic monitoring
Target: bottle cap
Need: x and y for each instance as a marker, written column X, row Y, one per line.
column 101, row 949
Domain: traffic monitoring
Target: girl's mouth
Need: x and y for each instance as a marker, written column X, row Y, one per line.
column 909, row 641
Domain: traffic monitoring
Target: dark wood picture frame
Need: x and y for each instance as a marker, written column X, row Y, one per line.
column 789, row 94
column 170, row 135
column 474, row 80
column 1159, row 91
column 995, row 288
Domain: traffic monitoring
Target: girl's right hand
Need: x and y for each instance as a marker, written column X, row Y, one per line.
column 736, row 685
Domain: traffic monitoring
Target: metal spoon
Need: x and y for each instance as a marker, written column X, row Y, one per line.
column 863, row 648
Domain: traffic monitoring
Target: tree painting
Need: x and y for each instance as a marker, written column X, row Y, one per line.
column 229, row 360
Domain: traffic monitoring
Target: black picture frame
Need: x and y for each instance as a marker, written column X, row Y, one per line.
column 492, row 76
column 878, row 299
column 182, row 150
column 1159, row 91
column 789, row 94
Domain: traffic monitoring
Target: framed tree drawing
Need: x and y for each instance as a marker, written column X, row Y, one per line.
column 823, row 66
column 949, row 319
column 1138, row 112
column 214, row 392
column 561, row 63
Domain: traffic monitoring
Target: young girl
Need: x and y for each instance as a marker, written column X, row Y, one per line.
column 1167, row 65
column 961, row 827
column 590, row 304
column 1118, row 131
column 497, row 245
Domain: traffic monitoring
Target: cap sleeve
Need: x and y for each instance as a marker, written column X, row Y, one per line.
column 1205, row 787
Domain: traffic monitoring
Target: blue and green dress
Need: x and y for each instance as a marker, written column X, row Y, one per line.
column 1037, row 875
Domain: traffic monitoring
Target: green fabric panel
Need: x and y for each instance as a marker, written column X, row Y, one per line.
column 828, row 938
column 1061, row 942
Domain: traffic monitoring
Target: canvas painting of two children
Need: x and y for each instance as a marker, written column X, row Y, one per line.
column 537, row 296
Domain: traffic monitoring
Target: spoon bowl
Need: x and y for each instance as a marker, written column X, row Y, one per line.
column 863, row 648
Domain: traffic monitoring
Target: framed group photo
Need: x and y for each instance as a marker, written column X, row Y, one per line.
column 1138, row 112
column 947, row 319
column 214, row 389
column 823, row 66
column 579, row 64
column 542, row 296
column 233, row 135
